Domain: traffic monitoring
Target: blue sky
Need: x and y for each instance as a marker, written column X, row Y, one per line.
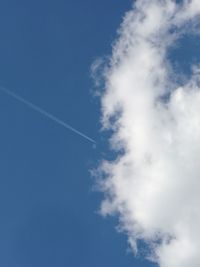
column 47, row 206
column 47, row 203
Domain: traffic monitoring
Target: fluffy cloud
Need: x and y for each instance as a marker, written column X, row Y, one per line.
column 154, row 183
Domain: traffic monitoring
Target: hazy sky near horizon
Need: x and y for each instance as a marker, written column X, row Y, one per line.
column 48, row 205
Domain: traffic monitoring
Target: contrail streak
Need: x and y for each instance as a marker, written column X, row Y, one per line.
column 45, row 113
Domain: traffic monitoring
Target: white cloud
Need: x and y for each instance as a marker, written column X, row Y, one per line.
column 154, row 184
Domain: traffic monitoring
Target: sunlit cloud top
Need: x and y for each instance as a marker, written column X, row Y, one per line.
column 154, row 183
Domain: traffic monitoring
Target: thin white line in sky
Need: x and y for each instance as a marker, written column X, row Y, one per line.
column 45, row 113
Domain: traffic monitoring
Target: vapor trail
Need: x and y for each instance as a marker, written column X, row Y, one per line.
column 45, row 113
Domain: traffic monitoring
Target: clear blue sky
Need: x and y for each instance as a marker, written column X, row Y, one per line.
column 47, row 206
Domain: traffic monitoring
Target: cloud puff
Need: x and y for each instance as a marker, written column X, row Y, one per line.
column 154, row 183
